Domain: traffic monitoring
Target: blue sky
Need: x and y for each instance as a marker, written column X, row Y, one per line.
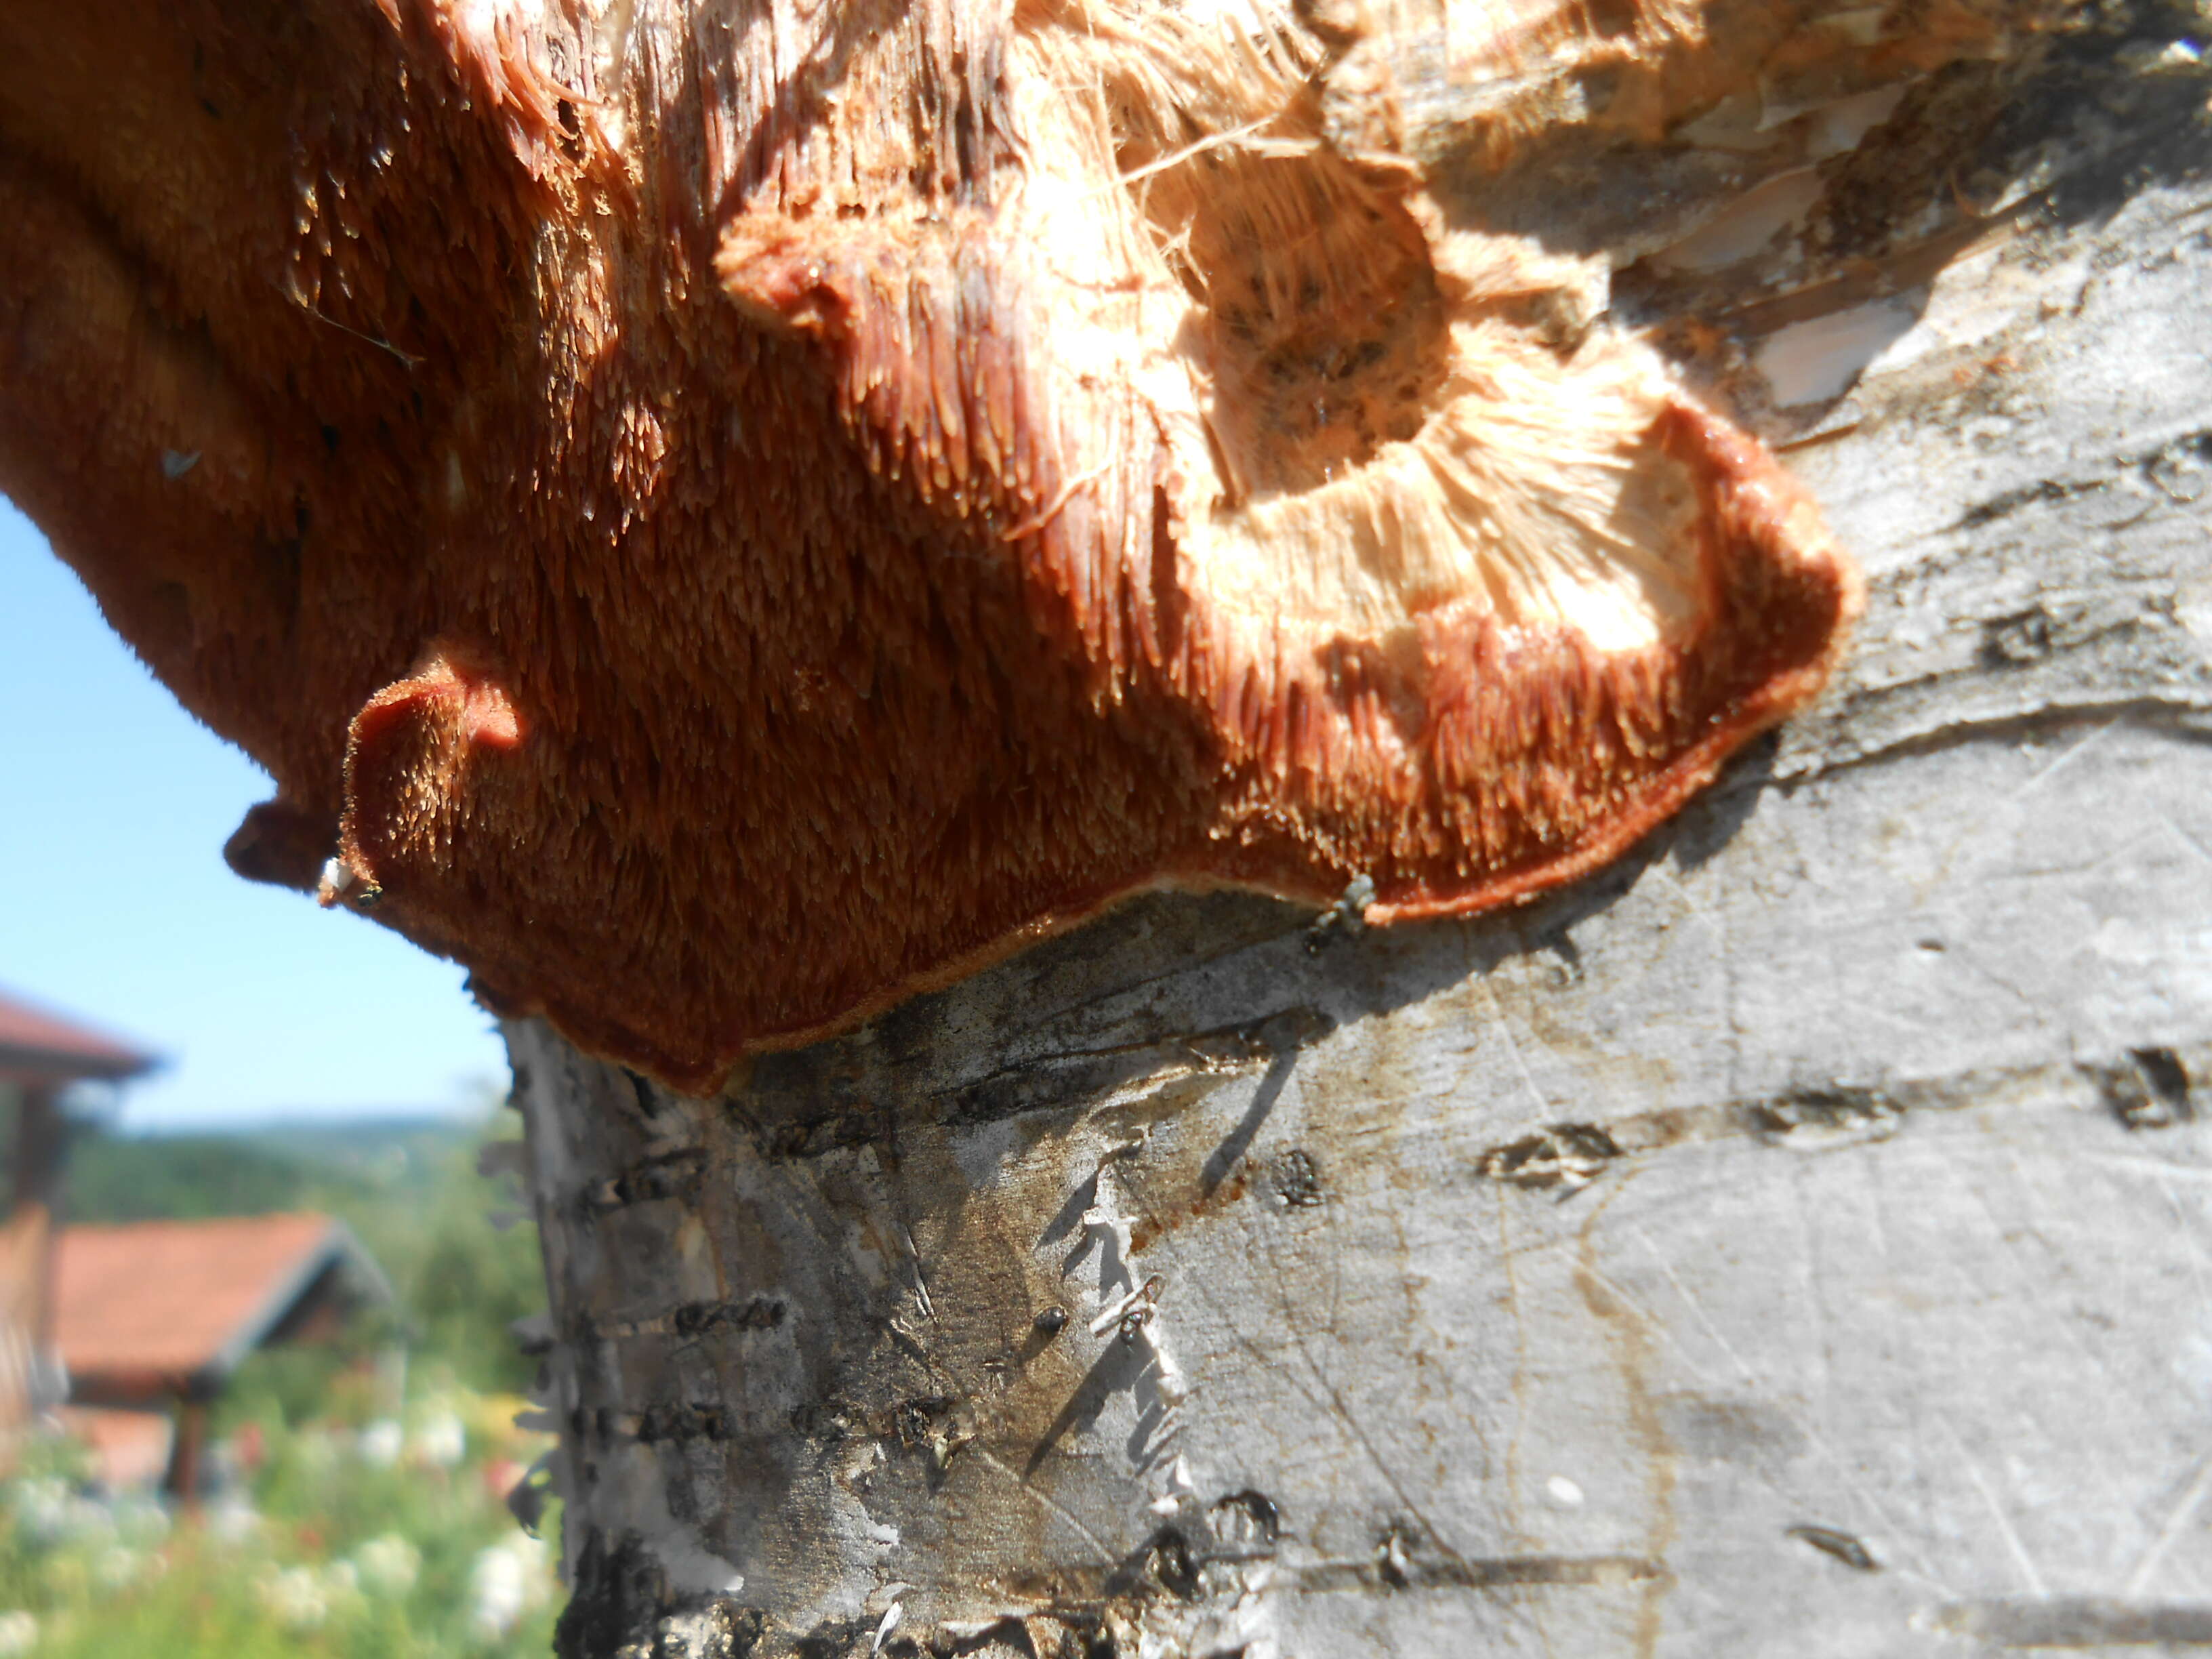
column 116, row 906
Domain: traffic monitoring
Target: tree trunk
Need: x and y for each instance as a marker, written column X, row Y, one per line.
column 1794, row 1240
column 1791, row 1240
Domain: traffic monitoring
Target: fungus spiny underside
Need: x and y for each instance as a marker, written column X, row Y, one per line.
column 720, row 515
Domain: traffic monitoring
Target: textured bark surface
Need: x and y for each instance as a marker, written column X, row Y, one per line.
column 1794, row 1240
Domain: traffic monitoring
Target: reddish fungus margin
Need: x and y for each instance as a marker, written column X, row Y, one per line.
column 718, row 546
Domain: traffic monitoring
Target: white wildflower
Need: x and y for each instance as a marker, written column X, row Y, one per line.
column 388, row 1566
column 19, row 1633
column 380, row 1443
column 118, row 1567
column 296, row 1597
column 443, row 1440
column 41, row 1506
column 52, row 1514
column 231, row 1519
column 509, row 1579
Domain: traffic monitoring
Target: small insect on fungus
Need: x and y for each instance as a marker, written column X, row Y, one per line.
column 817, row 540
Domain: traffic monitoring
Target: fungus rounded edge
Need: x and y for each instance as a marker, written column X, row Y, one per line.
column 1151, row 488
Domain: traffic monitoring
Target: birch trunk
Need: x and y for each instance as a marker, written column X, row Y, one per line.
column 1794, row 1240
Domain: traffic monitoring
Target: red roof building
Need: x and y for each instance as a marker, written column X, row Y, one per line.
column 41, row 1053
column 151, row 1311
column 150, row 1318
column 39, row 1048
column 155, row 1315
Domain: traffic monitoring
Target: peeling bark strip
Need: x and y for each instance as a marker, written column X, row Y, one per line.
column 719, row 515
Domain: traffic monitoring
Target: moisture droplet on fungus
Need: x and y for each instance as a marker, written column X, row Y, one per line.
column 722, row 521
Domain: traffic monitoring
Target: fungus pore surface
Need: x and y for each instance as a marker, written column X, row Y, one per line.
column 720, row 516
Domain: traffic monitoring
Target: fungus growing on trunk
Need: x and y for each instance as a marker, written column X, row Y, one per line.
column 719, row 518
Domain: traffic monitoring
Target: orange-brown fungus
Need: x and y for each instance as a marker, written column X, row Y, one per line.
column 718, row 513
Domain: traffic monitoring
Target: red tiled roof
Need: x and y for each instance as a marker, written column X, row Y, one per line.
column 154, row 1305
column 38, row 1045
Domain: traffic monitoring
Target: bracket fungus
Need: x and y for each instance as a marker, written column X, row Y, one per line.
column 720, row 516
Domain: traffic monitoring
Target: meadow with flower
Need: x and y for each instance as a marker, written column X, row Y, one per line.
column 390, row 1540
column 357, row 1502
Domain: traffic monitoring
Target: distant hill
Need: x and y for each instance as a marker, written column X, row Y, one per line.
column 256, row 1170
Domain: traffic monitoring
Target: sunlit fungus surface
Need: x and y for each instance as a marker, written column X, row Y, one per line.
column 720, row 515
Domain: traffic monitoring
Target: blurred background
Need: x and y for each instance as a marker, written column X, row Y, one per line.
column 266, row 1275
